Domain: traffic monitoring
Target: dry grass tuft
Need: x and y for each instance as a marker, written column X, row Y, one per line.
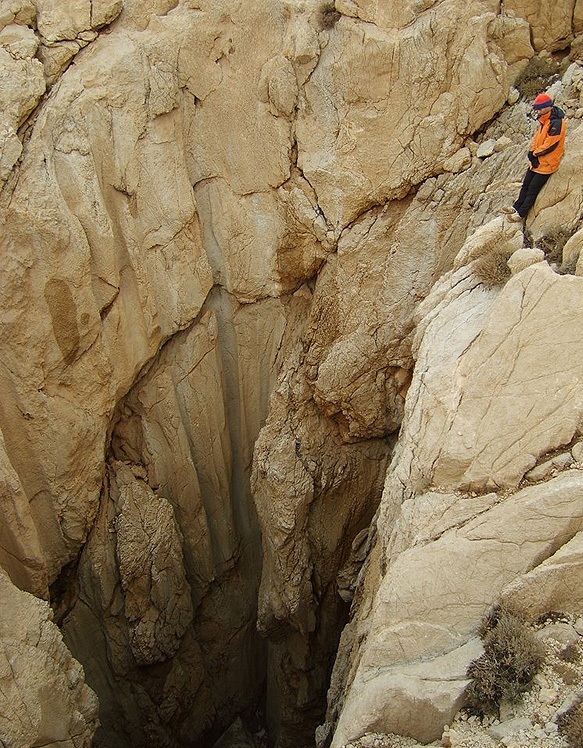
column 567, row 672
column 570, row 653
column 571, row 724
column 329, row 16
column 552, row 244
column 492, row 269
column 512, row 657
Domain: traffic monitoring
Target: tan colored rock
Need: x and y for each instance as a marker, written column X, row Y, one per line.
column 58, row 21
column 433, row 597
column 279, row 86
column 550, row 467
column 413, row 131
column 10, row 150
column 398, row 631
column 497, row 235
column 507, row 731
column 184, row 446
column 483, row 535
column 137, row 14
column 512, row 35
column 572, row 252
column 577, row 451
column 486, row 148
column 359, row 355
column 56, row 58
column 299, row 460
column 104, row 12
column 525, row 257
column 97, row 291
column 19, row 41
column 578, row 16
column 391, row 15
column 22, row 83
column 157, row 597
column 573, row 79
column 550, row 24
column 301, row 468
column 17, row 11
column 563, row 633
column 459, row 161
column 474, row 421
column 20, row 546
column 432, row 691
column 43, row 696
column 151, row 320
column 551, row 585
column 502, row 143
column 425, row 518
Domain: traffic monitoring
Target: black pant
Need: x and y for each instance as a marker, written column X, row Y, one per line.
column 532, row 184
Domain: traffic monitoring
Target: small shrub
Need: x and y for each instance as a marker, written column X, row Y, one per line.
column 570, row 653
column 568, row 674
column 492, row 269
column 551, row 616
column 570, row 724
column 329, row 16
column 512, row 657
column 552, row 244
column 538, row 75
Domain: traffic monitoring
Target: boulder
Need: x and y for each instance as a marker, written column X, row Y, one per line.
column 44, row 699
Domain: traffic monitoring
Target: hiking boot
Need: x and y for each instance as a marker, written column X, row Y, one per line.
column 514, row 216
column 508, row 209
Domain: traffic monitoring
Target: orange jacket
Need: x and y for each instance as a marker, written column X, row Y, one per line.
column 548, row 143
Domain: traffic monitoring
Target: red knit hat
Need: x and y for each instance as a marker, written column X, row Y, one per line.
column 542, row 101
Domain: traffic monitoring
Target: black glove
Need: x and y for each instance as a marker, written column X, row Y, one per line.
column 533, row 159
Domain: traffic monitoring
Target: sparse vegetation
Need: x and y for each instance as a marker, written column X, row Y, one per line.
column 329, row 16
column 571, row 724
column 492, row 269
column 552, row 244
column 567, row 672
column 512, row 657
column 570, row 653
column 538, row 75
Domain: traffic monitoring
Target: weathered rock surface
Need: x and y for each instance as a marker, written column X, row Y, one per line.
column 367, row 154
column 43, row 698
column 459, row 436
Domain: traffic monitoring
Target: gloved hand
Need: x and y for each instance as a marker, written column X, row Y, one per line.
column 533, row 159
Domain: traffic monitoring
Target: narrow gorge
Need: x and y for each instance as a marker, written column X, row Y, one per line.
column 286, row 403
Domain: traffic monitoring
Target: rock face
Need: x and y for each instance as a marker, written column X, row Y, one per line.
column 44, row 699
column 447, row 549
column 243, row 245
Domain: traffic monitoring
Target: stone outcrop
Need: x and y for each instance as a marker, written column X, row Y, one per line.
column 483, row 407
column 377, row 136
column 227, row 232
column 43, row 698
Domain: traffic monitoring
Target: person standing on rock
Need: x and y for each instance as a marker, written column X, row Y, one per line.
column 546, row 151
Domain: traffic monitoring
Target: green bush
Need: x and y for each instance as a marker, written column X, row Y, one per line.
column 570, row 724
column 538, row 75
column 512, row 657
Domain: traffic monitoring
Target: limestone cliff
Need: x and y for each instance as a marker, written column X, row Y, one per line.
column 241, row 293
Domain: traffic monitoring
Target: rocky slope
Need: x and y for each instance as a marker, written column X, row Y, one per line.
column 246, row 318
